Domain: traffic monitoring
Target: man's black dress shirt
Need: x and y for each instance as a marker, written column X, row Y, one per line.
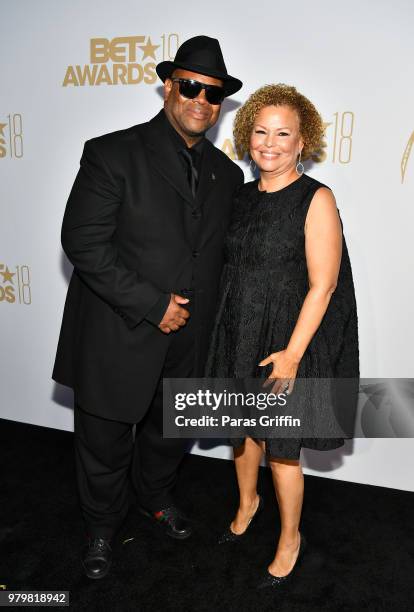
column 157, row 312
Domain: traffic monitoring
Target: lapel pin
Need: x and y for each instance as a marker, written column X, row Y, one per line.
column 213, row 176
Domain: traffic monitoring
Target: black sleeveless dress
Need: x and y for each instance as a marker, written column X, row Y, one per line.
column 263, row 286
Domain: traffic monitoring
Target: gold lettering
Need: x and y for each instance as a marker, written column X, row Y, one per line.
column 134, row 41
column 406, row 156
column 86, row 74
column 150, row 74
column 117, row 50
column 228, row 148
column 103, row 76
column 231, row 151
column 119, row 45
column 241, row 153
column 10, row 297
column 100, row 50
column 120, row 74
column 70, row 77
column 138, row 79
column 7, row 294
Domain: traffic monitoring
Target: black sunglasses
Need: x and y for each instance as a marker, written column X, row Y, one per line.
column 190, row 89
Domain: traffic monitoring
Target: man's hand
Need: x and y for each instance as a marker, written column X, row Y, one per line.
column 175, row 316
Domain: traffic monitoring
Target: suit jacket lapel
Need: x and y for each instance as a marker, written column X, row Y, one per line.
column 208, row 174
column 165, row 158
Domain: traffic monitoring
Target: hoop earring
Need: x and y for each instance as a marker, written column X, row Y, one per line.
column 300, row 168
column 252, row 168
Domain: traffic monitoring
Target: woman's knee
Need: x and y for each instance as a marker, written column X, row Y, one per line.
column 281, row 467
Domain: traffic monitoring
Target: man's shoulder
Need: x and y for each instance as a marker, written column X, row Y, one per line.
column 121, row 141
column 225, row 161
column 116, row 138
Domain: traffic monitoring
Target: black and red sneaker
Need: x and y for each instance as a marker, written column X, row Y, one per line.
column 171, row 520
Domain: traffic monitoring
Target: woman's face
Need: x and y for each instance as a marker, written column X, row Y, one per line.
column 275, row 141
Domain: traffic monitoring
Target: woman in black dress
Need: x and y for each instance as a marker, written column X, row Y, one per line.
column 287, row 298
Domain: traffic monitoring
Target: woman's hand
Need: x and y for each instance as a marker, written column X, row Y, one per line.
column 283, row 375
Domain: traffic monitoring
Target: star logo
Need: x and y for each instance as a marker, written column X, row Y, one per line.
column 2, row 126
column 8, row 276
column 149, row 49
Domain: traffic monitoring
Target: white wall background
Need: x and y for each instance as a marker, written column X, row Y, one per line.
column 348, row 57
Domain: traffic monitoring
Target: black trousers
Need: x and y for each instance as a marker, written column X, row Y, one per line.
column 107, row 454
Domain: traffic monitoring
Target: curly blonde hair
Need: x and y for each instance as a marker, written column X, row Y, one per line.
column 310, row 121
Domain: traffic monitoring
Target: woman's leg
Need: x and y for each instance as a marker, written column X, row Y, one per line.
column 247, row 460
column 288, row 482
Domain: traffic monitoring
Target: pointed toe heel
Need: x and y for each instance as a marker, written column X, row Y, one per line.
column 274, row 582
column 229, row 536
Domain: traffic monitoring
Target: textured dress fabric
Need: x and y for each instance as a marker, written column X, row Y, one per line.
column 263, row 286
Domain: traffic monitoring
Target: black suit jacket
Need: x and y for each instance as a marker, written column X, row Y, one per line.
column 133, row 231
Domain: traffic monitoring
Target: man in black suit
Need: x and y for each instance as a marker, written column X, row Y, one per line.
column 144, row 228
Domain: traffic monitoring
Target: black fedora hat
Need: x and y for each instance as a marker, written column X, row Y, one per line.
column 201, row 54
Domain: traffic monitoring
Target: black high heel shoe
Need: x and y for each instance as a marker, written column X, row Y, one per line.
column 230, row 536
column 277, row 581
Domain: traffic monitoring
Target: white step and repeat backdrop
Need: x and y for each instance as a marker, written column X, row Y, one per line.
column 74, row 69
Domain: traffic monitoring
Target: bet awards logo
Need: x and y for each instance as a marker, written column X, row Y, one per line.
column 406, row 156
column 15, row 285
column 124, row 60
column 337, row 145
column 11, row 136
